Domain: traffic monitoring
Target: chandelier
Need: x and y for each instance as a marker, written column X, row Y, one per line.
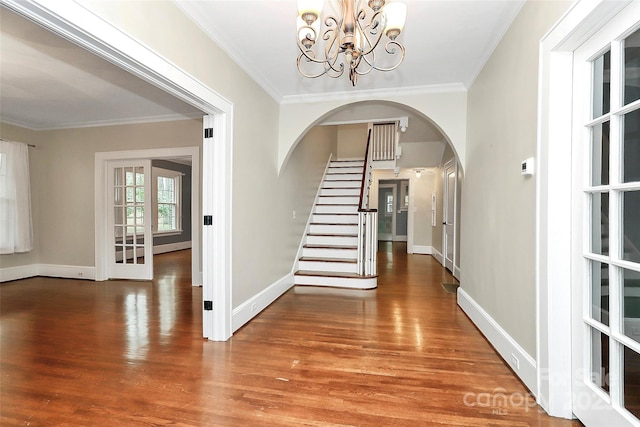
column 350, row 33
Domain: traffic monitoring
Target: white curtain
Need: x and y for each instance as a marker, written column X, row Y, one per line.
column 16, row 232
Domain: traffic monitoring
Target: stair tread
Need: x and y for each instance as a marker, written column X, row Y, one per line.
column 336, row 204
column 340, row 188
column 332, row 274
column 334, row 223
column 337, row 213
column 344, row 173
column 312, row 246
column 338, row 195
column 331, row 235
column 324, row 259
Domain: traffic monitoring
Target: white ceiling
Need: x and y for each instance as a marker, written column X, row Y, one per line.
column 47, row 82
column 447, row 42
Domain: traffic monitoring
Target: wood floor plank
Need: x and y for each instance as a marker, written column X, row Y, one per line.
column 122, row 353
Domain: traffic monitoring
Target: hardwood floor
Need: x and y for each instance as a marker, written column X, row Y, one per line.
column 123, row 353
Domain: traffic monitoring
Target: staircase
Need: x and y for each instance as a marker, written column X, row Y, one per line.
column 330, row 250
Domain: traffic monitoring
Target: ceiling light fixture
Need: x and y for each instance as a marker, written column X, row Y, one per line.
column 352, row 34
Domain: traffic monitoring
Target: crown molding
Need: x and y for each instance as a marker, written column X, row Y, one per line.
column 366, row 95
column 117, row 122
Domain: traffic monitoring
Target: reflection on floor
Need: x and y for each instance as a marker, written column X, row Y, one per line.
column 131, row 353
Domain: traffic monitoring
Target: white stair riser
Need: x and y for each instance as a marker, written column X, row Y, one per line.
column 333, row 229
column 339, row 200
column 337, row 282
column 337, row 267
column 341, row 184
column 350, row 169
column 330, row 253
column 335, row 219
column 340, row 176
column 348, row 163
column 332, row 240
column 336, row 209
column 354, row 192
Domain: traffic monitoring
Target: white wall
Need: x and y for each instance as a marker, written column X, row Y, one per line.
column 498, row 204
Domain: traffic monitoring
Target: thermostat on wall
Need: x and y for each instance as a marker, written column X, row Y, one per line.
column 526, row 168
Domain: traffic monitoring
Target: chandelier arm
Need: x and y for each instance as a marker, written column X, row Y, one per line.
column 390, row 48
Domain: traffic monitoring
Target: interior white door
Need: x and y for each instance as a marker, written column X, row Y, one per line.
column 606, row 204
column 449, row 217
column 129, row 220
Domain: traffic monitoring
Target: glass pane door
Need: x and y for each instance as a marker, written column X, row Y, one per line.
column 607, row 280
column 131, row 247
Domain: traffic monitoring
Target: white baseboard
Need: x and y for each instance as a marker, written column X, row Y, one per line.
column 437, row 255
column 423, row 250
column 171, row 247
column 20, row 272
column 254, row 305
column 67, row 271
column 456, row 272
column 516, row 357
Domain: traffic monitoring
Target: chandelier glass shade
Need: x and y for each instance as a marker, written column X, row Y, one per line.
column 353, row 40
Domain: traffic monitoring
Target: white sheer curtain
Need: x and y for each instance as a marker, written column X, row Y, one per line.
column 16, row 232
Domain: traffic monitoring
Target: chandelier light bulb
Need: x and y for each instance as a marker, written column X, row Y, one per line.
column 395, row 17
column 309, row 10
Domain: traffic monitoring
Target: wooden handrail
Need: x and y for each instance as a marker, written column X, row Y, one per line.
column 364, row 171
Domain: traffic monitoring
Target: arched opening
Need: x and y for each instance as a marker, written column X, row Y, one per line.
column 426, row 175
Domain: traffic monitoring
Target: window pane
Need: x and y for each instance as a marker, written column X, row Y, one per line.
column 600, row 292
column 129, row 194
column 600, row 223
column 631, row 226
column 600, row 359
column 140, row 194
column 632, row 68
column 139, row 175
column 601, row 82
column 631, row 308
column 128, row 176
column 632, row 381
column 631, row 147
column 600, row 155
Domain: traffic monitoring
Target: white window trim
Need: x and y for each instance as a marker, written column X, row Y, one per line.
column 167, row 173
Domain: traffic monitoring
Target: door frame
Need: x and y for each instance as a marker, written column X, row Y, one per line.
column 102, row 192
column 451, row 164
column 90, row 31
column 554, row 199
column 393, row 214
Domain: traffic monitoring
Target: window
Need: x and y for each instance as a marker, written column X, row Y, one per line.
column 389, row 203
column 167, row 209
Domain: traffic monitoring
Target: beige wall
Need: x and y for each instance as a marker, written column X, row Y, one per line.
column 498, row 204
column 352, row 141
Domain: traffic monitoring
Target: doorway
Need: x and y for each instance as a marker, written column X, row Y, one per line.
column 112, row 217
column 393, row 204
column 449, row 214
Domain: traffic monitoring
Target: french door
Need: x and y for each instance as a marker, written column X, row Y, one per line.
column 606, row 250
column 130, row 231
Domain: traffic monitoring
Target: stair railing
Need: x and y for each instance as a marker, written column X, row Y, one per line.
column 367, row 220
